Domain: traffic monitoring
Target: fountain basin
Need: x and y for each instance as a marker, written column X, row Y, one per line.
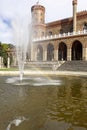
column 51, row 106
column 30, row 72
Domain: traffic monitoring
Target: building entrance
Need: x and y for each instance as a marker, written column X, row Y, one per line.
column 77, row 51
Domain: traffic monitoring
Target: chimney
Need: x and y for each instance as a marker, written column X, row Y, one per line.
column 74, row 3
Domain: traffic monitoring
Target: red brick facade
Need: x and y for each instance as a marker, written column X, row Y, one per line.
column 56, row 40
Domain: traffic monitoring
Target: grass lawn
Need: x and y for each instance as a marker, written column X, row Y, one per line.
column 8, row 69
column 31, row 68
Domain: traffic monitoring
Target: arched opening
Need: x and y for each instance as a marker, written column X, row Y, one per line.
column 77, row 51
column 62, row 52
column 50, row 33
column 85, row 26
column 50, row 52
column 39, row 53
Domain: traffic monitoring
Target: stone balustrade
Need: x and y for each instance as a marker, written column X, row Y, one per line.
column 69, row 34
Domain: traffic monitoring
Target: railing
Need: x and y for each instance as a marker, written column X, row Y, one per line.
column 69, row 34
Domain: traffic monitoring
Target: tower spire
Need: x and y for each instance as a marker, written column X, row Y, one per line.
column 74, row 2
column 37, row 2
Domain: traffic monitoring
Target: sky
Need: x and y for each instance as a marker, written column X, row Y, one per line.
column 14, row 9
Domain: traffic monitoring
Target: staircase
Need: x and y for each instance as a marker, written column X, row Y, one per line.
column 39, row 65
column 73, row 66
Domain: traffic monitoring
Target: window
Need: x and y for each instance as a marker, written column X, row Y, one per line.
column 85, row 26
column 61, row 31
column 42, row 33
column 50, row 33
column 35, row 34
column 41, row 19
column 41, row 14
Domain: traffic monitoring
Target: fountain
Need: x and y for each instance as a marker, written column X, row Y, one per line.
column 40, row 102
column 21, row 31
column 21, row 36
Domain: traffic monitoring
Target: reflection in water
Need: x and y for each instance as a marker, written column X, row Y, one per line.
column 69, row 105
column 34, row 81
column 16, row 122
column 51, row 107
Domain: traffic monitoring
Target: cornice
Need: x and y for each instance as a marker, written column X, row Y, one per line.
column 37, row 7
column 80, row 15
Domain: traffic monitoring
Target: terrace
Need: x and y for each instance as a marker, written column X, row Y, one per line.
column 64, row 35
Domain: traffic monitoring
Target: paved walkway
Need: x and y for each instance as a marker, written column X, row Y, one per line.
column 29, row 72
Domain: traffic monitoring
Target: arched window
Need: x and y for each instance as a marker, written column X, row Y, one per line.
column 42, row 34
column 41, row 19
column 41, row 13
column 61, row 31
column 77, row 51
column 62, row 52
column 50, row 52
column 35, row 34
column 85, row 26
column 71, row 29
column 39, row 53
column 50, row 33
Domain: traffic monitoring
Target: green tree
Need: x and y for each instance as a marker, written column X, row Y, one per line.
column 11, row 49
column 5, row 53
column 1, row 50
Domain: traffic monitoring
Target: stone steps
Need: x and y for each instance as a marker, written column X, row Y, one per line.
column 41, row 65
column 50, row 65
column 58, row 66
column 73, row 66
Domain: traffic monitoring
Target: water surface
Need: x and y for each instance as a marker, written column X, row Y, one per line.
column 61, row 106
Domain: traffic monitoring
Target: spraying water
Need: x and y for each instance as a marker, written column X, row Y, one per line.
column 21, row 36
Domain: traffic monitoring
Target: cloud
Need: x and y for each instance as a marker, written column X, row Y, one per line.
column 7, row 21
column 11, row 9
column 5, row 30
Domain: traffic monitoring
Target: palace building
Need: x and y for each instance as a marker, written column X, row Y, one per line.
column 62, row 40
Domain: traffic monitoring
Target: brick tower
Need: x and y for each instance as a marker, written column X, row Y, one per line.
column 38, row 20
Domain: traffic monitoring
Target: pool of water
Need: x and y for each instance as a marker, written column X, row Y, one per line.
column 57, row 105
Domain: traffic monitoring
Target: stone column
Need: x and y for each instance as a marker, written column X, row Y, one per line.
column 35, row 55
column 32, row 52
column 74, row 14
column 0, row 62
column 8, row 62
column 69, row 53
column 55, row 53
column 84, row 55
column 14, row 60
column 44, row 53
